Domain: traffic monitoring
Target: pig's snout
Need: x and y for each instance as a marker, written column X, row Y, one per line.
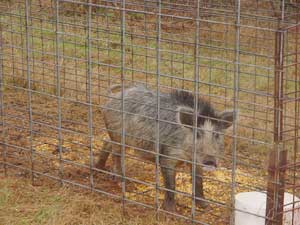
column 209, row 163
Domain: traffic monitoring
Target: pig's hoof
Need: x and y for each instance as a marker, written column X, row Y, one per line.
column 116, row 176
column 202, row 204
column 100, row 166
column 169, row 207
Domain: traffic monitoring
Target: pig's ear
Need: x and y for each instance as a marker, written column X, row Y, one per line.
column 227, row 118
column 185, row 116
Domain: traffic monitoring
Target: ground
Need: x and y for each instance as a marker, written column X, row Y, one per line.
column 140, row 186
column 22, row 203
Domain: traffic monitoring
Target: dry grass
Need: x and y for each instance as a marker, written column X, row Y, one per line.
column 22, row 203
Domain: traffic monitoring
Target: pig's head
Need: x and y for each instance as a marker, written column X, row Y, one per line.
column 211, row 127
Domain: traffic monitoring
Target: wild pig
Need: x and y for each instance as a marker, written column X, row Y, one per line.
column 176, row 121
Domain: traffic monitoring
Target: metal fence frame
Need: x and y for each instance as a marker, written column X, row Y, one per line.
column 279, row 165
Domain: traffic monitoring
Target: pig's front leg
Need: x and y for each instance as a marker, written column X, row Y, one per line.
column 199, row 188
column 169, row 174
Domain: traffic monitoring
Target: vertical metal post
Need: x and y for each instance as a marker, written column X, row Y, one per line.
column 58, row 91
column 29, row 94
column 3, row 141
column 195, row 116
column 89, row 92
column 123, row 63
column 297, row 116
column 157, row 138
column 277, row 157
column 235, row 105
column 146, row 41
column 281, row 152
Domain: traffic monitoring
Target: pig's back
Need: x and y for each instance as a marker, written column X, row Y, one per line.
column 140, row 106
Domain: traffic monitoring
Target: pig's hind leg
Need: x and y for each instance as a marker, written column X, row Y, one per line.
column 115, row 150
column 104, row 154
column 116, row 155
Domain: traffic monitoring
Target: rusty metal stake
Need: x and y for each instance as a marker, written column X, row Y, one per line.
column 277, row 157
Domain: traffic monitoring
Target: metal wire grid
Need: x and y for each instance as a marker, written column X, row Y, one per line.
column 63, row 55
column 290, row 117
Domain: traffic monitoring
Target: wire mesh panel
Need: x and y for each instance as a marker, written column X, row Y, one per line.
column 139, row 100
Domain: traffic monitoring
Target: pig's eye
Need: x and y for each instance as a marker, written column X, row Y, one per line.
column 199, row 134
column 216, row 135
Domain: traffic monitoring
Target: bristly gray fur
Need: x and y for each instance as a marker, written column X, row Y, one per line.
column 175, row 133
